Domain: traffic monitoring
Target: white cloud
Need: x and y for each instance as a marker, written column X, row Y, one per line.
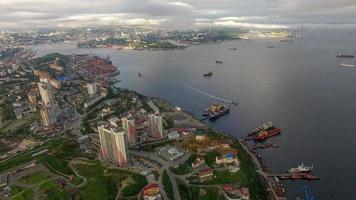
column 174, row 13
column 246, row 25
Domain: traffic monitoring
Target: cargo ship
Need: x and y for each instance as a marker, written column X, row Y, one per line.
column 264, row 132
column 264, row 126
column 215, row 110
column 208, row 74
column 340, row 55
column 301, row 169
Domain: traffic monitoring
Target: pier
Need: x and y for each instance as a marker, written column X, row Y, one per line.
column 294, row 176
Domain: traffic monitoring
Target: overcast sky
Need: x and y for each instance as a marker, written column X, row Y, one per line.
column 267, row 14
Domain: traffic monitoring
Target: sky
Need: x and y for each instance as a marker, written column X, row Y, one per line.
column 176, row 14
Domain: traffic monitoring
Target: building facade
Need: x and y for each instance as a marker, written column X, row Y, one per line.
column 46, row 93
column 48, row 116
column 128, row 123
column 156, row 126
column 113, row 144
column 92, row 88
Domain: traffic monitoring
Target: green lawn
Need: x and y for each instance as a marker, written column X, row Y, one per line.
column 253, row 181
column 225, row 177
column 210, row 158
column 103, row 185
column 133, row 188
column 197, row 193
column 25, row 195
column 58, row 164
column 211, row 193
column 51, row 191
column 35, row 178
column 17, row 160
column 98, row 187
column 60, row 153
column 184, row 191
column 167, row 184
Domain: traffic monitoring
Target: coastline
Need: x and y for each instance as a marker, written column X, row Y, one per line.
column 238, row 144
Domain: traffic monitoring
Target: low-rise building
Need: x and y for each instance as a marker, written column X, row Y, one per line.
column 228, row 158
column 152, row 192
column 170, row 153
column 199, row 161
column 83, row 142
column 174, row 135
column 233, row 192
column 205, row 173
column 200, row 137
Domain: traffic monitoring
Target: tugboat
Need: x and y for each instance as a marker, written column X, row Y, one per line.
column 215, row 110
column 301, row 169
column 218, row 62
column 340, row 55
column 210, row 73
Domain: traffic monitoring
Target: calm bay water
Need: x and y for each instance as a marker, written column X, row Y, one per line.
column 299, row 86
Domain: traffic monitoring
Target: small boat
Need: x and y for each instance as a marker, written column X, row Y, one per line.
column 270, row 47
column 218, row 62
column 139, row 74
column 232, row 49
column 234, row 102
column 347, row 65
column 340, row 55
column 286, row 40
column 208, row 74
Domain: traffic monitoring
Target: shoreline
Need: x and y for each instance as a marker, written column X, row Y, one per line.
column 263, row 179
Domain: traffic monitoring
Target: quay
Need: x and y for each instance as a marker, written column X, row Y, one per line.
column 295, row 176
column 274, row 191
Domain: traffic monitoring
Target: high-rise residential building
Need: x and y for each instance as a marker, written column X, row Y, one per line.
column 46, row 93
column 32, row 96
column 128, row 123
column 55, row 83
column 48, row 116
column 156, row 126
column 113, row 144
column 92, row 88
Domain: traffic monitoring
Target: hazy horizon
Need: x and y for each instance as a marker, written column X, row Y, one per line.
column 166, row 14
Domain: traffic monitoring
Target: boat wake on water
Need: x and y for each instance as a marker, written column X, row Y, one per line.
column 196, row 90
column 204, row 93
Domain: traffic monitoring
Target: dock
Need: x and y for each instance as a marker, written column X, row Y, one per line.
column 295, row 176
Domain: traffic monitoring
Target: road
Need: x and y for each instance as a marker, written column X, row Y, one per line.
column 165, row 166
column 265, row 175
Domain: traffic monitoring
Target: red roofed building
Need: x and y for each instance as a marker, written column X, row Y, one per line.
column 205, row 173
column 152, row 192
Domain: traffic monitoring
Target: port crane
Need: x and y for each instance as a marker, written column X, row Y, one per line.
column 308, row 194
